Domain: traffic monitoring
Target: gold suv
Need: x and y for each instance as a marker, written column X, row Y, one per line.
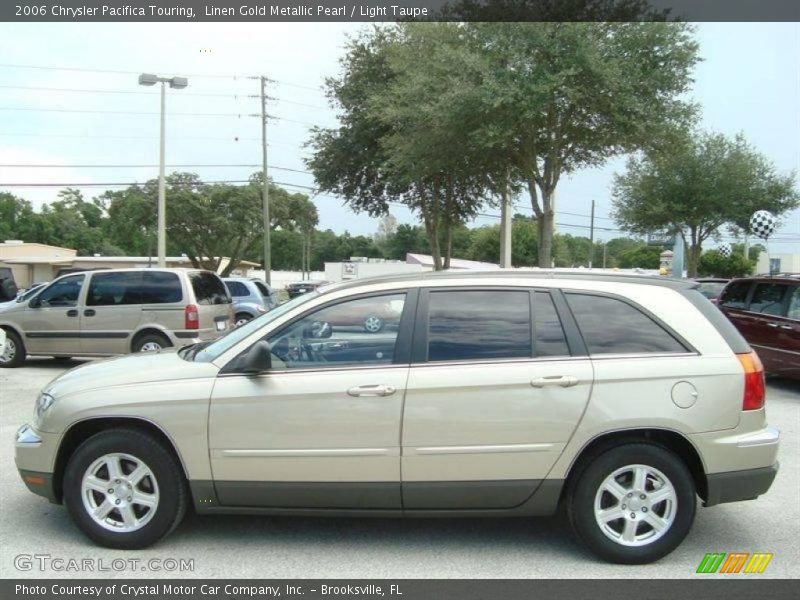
column 620, row 399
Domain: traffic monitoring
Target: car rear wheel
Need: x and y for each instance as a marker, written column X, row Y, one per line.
column 373, row 324
column 241, row 319
column 150, row 342
column 124, row 489
column 13, row 354
column 632, row 504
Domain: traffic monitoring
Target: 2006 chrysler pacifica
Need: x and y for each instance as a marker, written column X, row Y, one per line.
column 619, row 398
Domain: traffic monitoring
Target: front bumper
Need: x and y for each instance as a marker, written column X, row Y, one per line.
column 735, row 486
column 35, row 453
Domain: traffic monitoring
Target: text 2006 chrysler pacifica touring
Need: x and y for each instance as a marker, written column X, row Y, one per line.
column 619, row 399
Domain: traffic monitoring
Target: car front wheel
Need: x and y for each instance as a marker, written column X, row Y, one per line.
column 124, row 489
column 13, row 354
column 632, row 504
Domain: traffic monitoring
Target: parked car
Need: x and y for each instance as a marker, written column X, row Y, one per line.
column 618, row 398
column 766, row 310
column 303, row 287
column 711, row 287
column 103, row 313
column 370, row 316
column 251, row 298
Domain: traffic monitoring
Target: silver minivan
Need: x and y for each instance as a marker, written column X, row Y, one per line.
column 109, row 312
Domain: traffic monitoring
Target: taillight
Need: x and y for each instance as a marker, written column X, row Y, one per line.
column 191, row 318
column 754, row 386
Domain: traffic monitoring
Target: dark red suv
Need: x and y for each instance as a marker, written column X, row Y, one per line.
column 766, row 310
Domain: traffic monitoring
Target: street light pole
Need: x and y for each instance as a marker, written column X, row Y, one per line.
column 177, row 83
column 265, row 191
column 162, row 201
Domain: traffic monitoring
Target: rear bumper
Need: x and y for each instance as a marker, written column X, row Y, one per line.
column 735, row 486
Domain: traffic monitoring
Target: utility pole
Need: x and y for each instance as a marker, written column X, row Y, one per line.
column 605, row 253
column 591, row 238
column 505, row 227
column 265, row 192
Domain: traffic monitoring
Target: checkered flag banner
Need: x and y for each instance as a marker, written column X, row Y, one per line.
column 763, row 223
column 725, row 250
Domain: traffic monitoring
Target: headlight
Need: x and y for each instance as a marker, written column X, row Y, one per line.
column 43, row 403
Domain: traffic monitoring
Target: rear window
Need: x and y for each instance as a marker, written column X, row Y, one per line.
column 612, row 326
column 208, row 288
column 768, row 298
column 549, row 338
column 113, row 289
column 237, row 289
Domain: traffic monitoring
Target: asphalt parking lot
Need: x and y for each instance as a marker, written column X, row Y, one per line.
column 269, row 547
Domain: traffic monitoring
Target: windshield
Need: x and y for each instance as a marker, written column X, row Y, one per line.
column 223, row 344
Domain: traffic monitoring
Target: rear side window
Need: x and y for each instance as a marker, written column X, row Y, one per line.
column 160, row 288
column 237, row 289
column 549, row 338
column 208, row 288
column 768, row 299
column 735, row 295
column 262, row 288
column 114, row 289
column 611, row 326
column 479, row 325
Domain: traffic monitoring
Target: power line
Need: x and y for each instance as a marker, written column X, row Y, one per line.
column 121, row 166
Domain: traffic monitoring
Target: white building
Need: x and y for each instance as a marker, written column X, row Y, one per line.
column 780, row 263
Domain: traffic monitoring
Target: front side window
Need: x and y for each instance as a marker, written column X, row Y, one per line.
column 63, row 292
column 768, row 298
column 110, row 289
column 479, row 325
column 611, row 326
column 358, row 332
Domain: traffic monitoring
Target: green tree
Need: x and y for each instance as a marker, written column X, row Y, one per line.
column 640, row 257
column 713, row 264
column 697, row 187
column 554, row 97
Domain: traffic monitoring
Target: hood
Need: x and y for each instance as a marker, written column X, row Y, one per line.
column 131, row 369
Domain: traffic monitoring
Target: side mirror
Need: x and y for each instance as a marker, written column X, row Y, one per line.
column 258, row 359
column 35, row 302
column 318, row 330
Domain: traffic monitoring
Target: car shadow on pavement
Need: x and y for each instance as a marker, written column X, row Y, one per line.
column 785, row 384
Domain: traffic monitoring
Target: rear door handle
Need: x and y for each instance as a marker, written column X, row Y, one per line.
column 371, row 390
column 89, row 312
column 72, row 312
column 559, row 380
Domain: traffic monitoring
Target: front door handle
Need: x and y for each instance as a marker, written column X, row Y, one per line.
column 371, row 390
column 72, row 312
column 559, row 380
column 89, row 312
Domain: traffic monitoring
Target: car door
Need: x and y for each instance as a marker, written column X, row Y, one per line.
column 321, row 428
column 771, row 332
column 52, row 318
column 494, row 394
column 112, row 311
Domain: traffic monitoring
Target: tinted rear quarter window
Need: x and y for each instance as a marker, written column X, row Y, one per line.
column 612, row 326
column 735, row 295
column 768, row 298
column 208, row 288
column 479, row 325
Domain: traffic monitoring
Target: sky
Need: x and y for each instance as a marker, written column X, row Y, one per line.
column 748, row 81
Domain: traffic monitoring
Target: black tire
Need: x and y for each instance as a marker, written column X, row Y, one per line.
column 243, row 317
column 149, row 338
column 584, row 486
column 173, row 495
column 373, row 324
column 18, row 348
